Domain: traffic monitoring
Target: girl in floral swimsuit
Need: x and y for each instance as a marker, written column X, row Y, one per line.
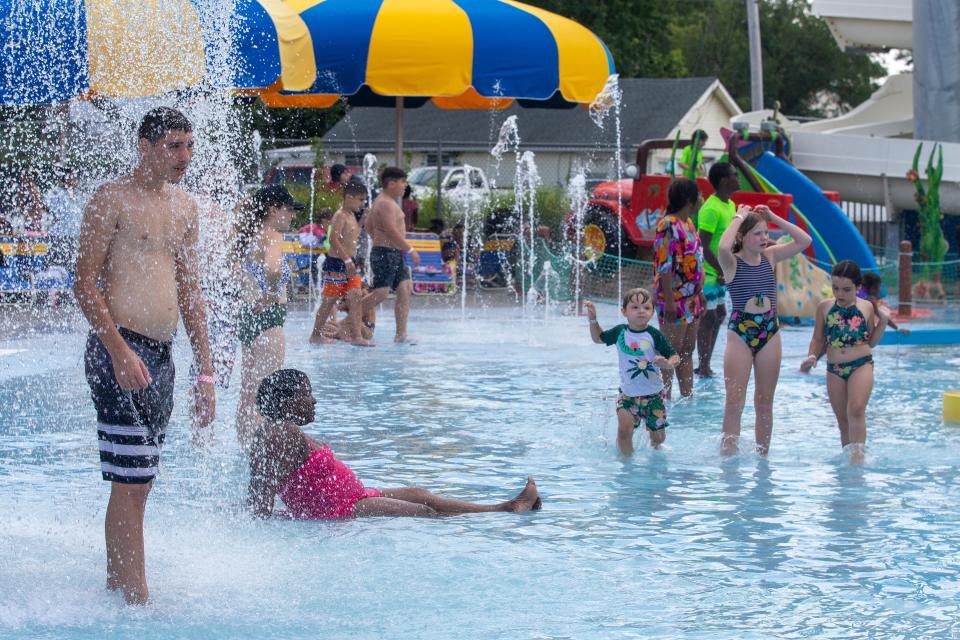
column 678, row 260
column 846, row 330
column 315, row 485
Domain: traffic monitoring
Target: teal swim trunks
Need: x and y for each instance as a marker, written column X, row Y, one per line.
column 715, row 295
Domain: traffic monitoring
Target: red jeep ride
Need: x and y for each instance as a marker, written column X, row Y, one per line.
column 642, row 199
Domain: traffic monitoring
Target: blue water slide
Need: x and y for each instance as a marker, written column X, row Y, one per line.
column 833, row 225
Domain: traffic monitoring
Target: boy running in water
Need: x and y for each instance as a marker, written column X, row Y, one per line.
column 643, row 351
column 340, row 276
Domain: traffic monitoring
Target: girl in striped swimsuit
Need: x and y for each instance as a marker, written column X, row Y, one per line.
column 753, row 341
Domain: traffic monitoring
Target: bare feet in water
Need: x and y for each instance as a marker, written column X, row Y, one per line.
column 321, row 340
column 526, row 500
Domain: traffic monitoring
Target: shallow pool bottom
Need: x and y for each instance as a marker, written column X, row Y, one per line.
column 670, row 543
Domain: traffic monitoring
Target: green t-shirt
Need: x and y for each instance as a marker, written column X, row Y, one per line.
column 686, row 157
column 714, row 217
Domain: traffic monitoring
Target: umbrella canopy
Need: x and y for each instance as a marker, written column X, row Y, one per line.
column 462, row 53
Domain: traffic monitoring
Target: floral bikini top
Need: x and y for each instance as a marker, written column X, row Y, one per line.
column 846, row 327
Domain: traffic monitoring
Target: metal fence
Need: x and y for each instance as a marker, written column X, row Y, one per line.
column 871, row 221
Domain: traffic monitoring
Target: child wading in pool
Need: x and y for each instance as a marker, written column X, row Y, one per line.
column 643, row 351
column 753, row 339
column 846, row 330
column 314, row 485
column 870, row 290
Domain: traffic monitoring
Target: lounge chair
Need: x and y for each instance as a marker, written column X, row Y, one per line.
column 432, row 275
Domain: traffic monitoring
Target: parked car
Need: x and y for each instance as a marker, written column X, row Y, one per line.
column 423, row 180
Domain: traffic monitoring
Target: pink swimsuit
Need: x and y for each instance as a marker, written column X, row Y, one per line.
column 323, row 488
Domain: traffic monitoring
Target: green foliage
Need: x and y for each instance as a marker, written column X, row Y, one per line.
column 292, row 123
column 636, row 33
column 428, row 210
column 803, row 67
column 322, row 199
column 551, row 205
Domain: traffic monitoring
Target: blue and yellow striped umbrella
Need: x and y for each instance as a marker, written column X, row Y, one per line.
column 462, row 53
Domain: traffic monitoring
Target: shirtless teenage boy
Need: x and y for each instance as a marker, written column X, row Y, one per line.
column 385, row 224
column 340, row 277
column 139, row 239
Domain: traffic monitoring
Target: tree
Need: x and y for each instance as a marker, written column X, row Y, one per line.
column 638, row 33
column 803, row 67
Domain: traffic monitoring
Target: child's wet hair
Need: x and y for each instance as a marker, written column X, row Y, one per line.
column 847, row 269
column 355, row 188
column 278, row 388
column 639, row 294
column 871, row 280
column 324, row 214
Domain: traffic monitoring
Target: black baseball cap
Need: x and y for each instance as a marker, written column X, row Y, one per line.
column 275, row 196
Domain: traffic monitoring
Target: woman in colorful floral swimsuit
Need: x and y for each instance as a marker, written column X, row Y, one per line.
column 753, row 342
column 678, row 260
column 846, row 330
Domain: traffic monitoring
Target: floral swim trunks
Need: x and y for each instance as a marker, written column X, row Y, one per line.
column 651, row 409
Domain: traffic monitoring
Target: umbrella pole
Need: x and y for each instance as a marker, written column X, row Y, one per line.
column 399, row 146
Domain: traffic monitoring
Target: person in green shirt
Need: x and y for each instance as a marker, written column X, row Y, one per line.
column 686, row 154
column 712, row 220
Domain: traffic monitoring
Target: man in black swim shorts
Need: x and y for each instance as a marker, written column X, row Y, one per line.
column 137, row 272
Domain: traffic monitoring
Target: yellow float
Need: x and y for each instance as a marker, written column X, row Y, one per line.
column 951, row 406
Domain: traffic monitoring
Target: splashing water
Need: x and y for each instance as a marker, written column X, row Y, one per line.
column 609, row 103
column 577, row 193
column 470, row 201
column 507, row 141
column 526, row 183
column 370, row 175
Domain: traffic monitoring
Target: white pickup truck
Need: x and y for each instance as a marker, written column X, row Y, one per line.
column 423, row 180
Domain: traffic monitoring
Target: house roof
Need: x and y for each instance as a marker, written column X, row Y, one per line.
column 651, row 108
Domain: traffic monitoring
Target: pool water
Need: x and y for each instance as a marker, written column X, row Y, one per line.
column 671, row 543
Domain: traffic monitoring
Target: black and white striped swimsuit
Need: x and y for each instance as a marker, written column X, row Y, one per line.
column 752, row 282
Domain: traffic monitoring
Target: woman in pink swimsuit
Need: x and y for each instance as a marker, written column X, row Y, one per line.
column 314, row 485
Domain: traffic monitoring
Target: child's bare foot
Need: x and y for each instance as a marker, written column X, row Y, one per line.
column 361, row 342
column 404, row 339
column 315, row 339
column 526, row 500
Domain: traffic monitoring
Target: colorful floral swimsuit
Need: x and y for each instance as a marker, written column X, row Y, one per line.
column 678, row 250
column 846, row 327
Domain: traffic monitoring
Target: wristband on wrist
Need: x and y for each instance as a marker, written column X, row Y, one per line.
column 203, row 378
column 594, row 321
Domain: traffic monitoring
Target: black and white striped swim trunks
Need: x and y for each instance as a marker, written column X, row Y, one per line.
column 130, row 424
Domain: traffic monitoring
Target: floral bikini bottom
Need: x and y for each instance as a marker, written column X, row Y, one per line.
column 756, row 329
column 846, row 369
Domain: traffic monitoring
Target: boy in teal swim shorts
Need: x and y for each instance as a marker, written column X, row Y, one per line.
column 643, row 351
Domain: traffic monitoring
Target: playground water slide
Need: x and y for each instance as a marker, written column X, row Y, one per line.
column 831, row 225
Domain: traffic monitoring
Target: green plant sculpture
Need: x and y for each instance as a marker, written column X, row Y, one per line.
column 933, row 245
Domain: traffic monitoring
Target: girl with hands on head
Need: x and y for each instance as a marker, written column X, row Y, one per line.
column 753, row 344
